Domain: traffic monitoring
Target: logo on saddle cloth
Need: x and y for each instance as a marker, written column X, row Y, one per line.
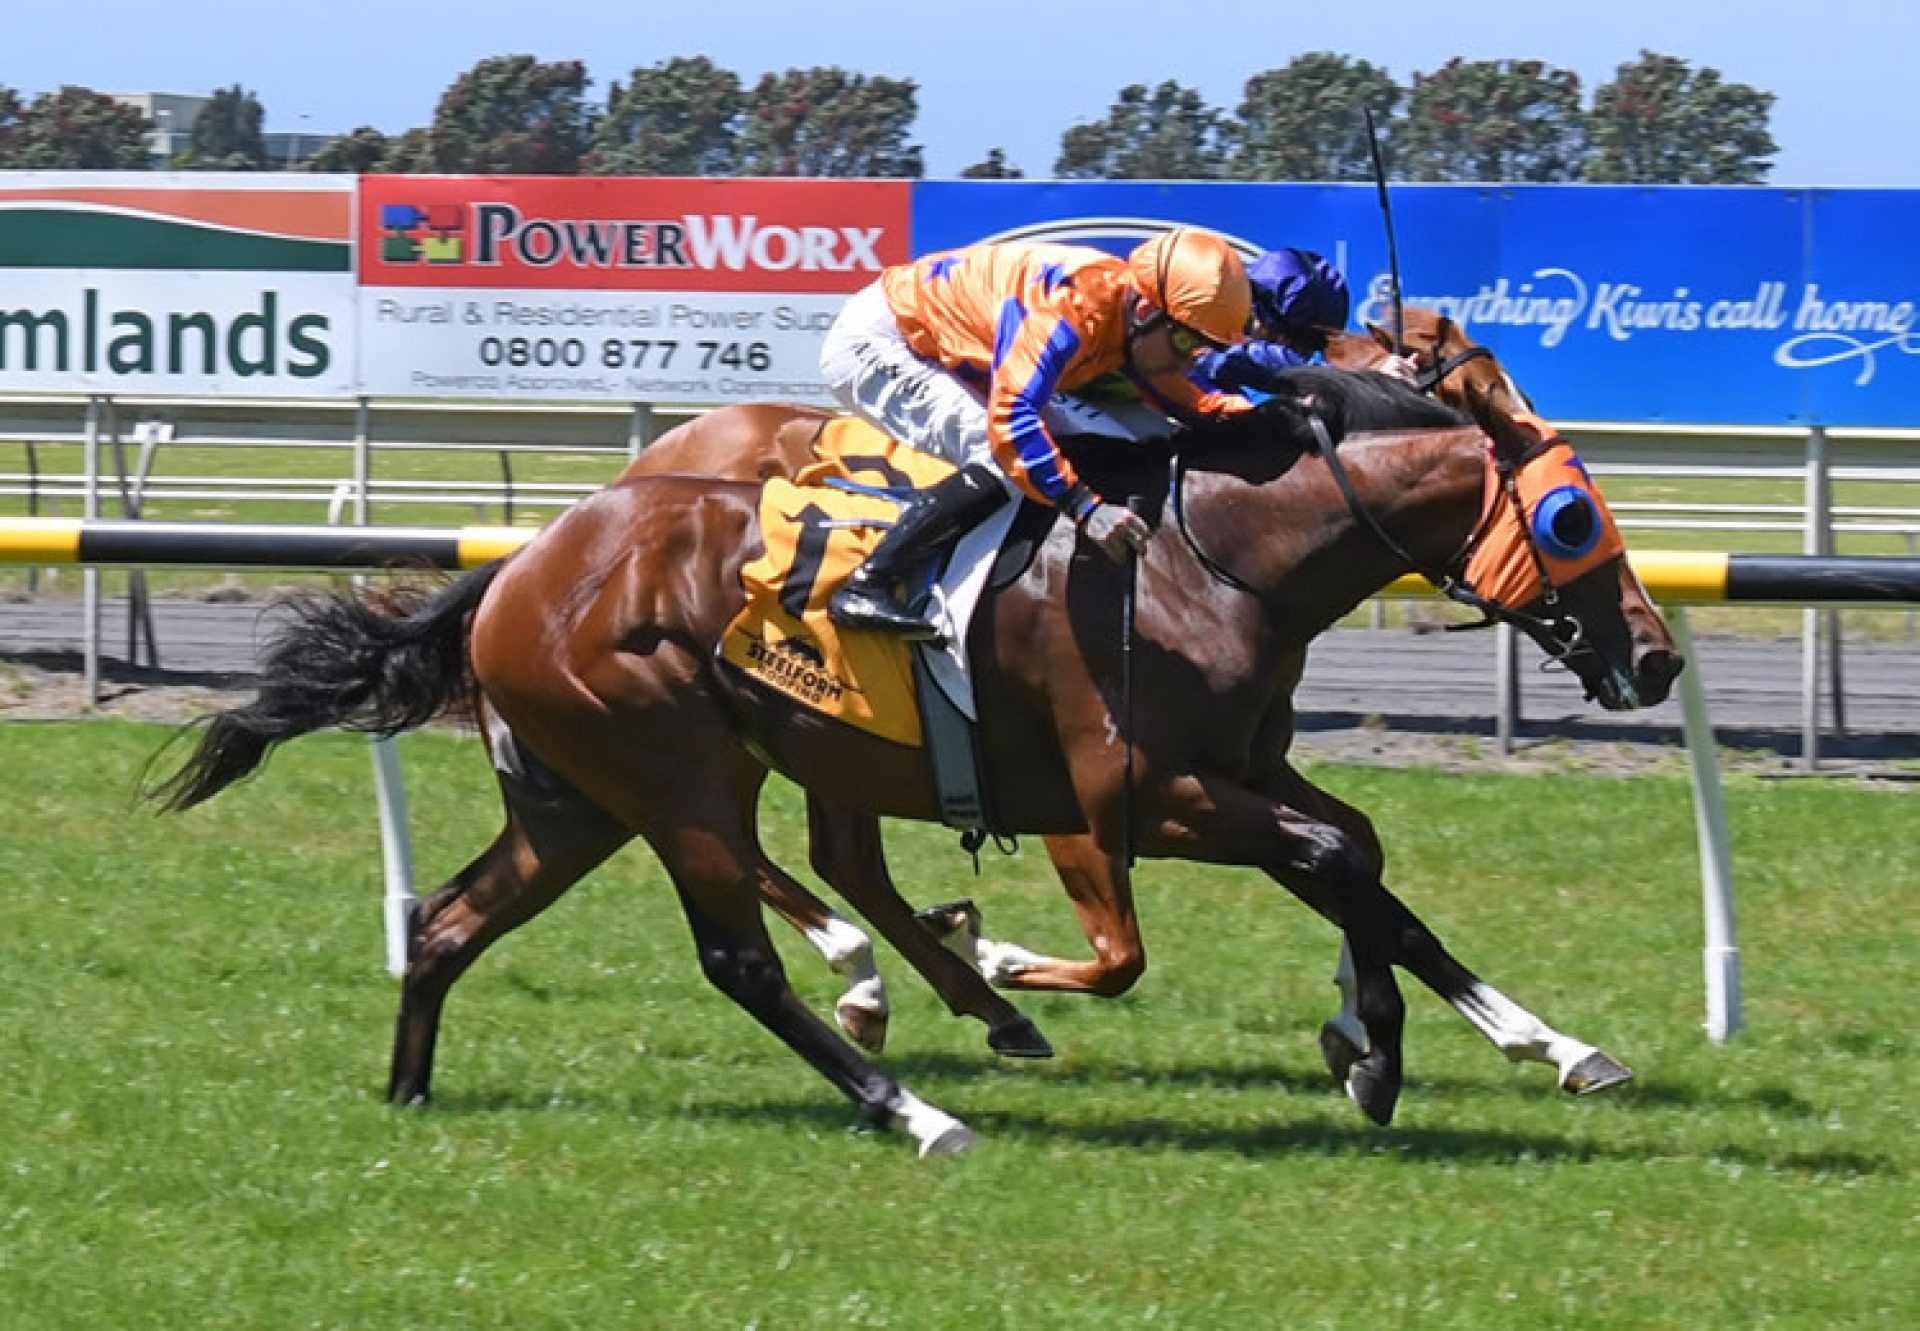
column 815, row 536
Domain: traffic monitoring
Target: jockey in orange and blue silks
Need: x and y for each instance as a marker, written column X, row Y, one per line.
column 960, row 354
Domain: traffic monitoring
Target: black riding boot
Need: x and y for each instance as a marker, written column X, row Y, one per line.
column 929, row 521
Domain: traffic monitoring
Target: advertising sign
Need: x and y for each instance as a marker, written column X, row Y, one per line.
column 124, row 283
column 700, row 291
column 1724, row 306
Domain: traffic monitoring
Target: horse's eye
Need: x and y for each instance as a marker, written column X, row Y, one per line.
column 1565, row 523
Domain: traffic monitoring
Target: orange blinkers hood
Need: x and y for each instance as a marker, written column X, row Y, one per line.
column 1573, row 531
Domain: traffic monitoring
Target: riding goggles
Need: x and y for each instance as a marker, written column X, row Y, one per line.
column 1186, row 342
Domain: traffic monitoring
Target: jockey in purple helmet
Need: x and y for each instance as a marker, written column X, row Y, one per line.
column 1298, row 299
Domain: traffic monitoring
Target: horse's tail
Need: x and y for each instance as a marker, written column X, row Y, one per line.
column 379, row 664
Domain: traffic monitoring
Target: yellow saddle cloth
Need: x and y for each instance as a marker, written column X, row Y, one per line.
column 816, row 535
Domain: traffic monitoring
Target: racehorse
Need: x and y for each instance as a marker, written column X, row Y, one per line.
column 757, row 443
column 593, row 649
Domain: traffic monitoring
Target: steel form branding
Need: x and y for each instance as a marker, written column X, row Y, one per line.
column 629, row 290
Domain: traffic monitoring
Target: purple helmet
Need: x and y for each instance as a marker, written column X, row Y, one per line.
column 1299, row 296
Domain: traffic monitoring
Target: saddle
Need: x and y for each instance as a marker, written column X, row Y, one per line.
column 816, row 529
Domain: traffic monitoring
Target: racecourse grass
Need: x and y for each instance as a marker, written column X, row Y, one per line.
column 194, row 1027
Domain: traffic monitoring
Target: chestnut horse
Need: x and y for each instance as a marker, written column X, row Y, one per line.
column 593, row 649
column 757, row 443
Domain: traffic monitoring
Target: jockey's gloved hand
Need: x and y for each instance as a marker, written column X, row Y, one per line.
column 1119, row 532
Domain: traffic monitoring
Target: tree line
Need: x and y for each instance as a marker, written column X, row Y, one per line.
column 1659, row 120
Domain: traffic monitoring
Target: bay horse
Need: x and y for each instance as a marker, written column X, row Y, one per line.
column 762, row 442
column 593, row 648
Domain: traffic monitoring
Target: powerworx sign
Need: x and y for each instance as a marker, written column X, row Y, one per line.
column 1674, row 304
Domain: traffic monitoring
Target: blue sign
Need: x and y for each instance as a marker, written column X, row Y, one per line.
column 1720, row 306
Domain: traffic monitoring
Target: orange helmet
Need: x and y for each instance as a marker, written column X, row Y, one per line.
column 1196, row 277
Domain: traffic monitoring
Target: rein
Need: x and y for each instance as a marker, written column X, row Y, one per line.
column 1562, row 629
column 1429, row 380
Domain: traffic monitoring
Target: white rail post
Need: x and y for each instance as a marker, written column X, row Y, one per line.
column 389, row 781
column 396, row 853
column 1722, row 956
column 1817, row 540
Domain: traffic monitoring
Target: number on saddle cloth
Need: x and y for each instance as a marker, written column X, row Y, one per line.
column 814, row 534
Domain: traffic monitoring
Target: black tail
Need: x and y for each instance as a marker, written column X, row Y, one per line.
column 381, row 665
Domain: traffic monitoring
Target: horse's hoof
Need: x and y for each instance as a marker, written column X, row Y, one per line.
column 401, row 1098
column 862, row 1025
column 1596, row 1072
column 955, row 1140
column 1019, row 1038
column 1373, row 1083
column 1340, row 1052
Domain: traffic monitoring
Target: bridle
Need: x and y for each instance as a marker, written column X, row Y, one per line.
column 1559, row 631
column 1429, row 380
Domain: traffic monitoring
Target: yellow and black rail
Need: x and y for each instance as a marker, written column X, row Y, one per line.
column 1677, row 577
column 1689, row 577
column 43, row 541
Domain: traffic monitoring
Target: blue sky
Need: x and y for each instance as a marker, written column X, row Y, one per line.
column 993, row 72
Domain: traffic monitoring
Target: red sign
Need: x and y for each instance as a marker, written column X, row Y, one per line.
column 620, row 234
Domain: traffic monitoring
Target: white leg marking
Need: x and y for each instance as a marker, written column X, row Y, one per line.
column 1002, row 962
column 1519, row 1034
column 1347, row 1020
column 936, row 1131
column 851, row 955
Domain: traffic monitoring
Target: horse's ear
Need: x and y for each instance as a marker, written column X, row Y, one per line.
column 1380, row 335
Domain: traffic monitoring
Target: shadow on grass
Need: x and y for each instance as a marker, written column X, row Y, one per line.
column 1094, row 1122
column 1440, row 1145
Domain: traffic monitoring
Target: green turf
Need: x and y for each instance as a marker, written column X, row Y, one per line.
column 194, row 1026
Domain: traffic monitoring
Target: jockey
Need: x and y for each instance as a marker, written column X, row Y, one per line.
column 1298, row 300
column 959, row 354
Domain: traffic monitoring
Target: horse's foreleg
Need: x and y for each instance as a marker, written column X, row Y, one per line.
column 1519, row 1034
column 847, row 851
column 1207, row 817
column 1581, row 1068
column 551, row 840
column 1101, row 891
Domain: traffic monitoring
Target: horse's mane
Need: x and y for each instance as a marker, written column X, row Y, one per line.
column 1277, row 431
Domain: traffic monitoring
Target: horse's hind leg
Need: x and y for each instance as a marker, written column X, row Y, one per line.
column 862, row 1011
column 720, row 894
column 553, row 837
column 673, row 772
column 847, row 851
column 1580, row 1067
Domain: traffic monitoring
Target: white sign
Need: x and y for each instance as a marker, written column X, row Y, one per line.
column 595, row 346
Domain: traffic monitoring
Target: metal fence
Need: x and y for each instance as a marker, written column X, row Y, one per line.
column 120, row 440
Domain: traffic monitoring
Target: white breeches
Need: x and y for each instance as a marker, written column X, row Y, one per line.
column 877, row 377
column 874, row 373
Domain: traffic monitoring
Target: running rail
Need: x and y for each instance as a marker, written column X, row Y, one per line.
column 1672, row 576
